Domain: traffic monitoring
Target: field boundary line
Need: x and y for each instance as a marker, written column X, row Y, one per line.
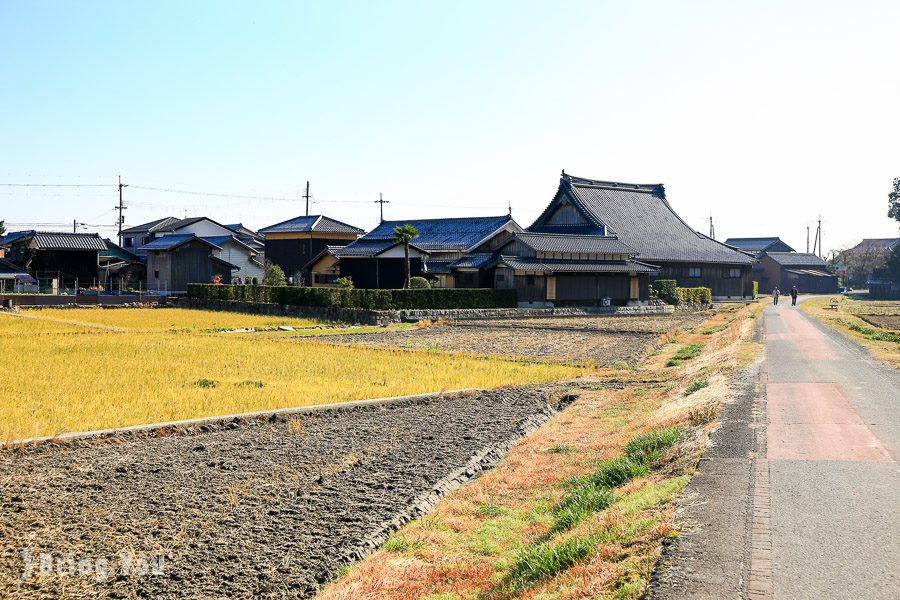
column 223, row 419
column 67, row 322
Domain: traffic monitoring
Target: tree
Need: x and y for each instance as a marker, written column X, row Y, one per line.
column 894, row 201
column 273, row 275
column 2, row 227
column 419, row 283
column 404, row 234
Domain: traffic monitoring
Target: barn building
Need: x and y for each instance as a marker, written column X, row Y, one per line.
column 174, row 261
column 641, row 217
column 292, row 244
column 788, row 269
column 56, row 260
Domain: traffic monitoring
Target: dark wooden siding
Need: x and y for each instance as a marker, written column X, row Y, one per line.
column 379, row 273
column 292, row 255
column 715, row 277
column 531, row 288
column 590, row 288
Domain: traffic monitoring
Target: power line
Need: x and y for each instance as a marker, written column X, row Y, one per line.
column 57, row 184
column 213, row 194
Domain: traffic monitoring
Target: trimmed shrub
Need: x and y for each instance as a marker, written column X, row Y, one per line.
column 755, row 290
column 666, row 290
column 419, row 283
column 697, row 295
column 358, row 298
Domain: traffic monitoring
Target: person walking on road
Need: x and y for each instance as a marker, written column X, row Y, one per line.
column 794, row 293
column 775, row 294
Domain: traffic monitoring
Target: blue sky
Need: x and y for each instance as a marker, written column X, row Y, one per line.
column 762, row 114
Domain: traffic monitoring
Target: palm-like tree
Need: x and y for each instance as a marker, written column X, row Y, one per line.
column 404, row 234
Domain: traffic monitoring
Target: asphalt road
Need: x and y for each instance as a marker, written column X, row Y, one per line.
column 799, row 496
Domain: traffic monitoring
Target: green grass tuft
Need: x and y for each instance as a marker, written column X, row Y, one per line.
column 397, row 543
column 543, row 561
column 696, row 386
column 489, row 509
column 582, row 502
column 647, row 449
column 686, row 353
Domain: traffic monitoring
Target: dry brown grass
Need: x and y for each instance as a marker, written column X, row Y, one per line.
column 467, row 545
column 857, row 313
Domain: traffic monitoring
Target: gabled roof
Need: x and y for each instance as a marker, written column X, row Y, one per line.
column 574, row 244
column 311, row 223
column 875, row 244
column 459, row 234
column 472, row 261
column 150, row 227
column 575, row 266
column 370, row 248
column 113, row 250
column 220, row 240
column 9, row 271
column 641, row 217
column 49, row 240
column 170, row 242
column 797, row 259
column 329, row 249
column 755, row 244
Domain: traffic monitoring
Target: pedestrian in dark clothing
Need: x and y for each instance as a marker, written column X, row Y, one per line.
column 794, row 293
column 775, row 294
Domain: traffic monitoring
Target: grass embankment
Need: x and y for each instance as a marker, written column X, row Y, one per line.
column 580, row 507
column 66, row 374
column 850, row 318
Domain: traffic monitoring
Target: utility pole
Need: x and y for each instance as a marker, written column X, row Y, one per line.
column 816, row 240
column 382, row 202
column 121, row 207
column 307, row 198
column 712, row 228
column 807, row 238
column 74, row 226
column 819, row 235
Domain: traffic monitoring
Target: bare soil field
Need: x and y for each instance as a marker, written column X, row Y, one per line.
column 605, row 341
column 269, row 508
column 890, row 322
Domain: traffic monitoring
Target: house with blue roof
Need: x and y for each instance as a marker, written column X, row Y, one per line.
column 292, row 244
column 376, row 260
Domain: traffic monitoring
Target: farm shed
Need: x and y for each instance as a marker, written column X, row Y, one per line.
column 787, row 269
column 63, row 258
column 292, row 244
column 640, row 216
column 174, row 261
column 14, row 279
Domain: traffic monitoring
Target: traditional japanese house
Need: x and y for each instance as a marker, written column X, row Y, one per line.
column 57, row 260
column 759, row 245
column 120, row 269
column 641, row 217
column 787, row 269
column 292, row 244
column 134, row 238
column 440, row 243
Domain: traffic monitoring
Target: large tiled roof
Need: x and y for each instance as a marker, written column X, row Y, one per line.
column 151, row 226
column 575, row 266
column 364, row 247
column 753, row 244
column 578, row 244
column 472, row 261
column 170, row 242
column 797, row 259
column 58, row 240
column 875, row 244
column 641, row 217
column 317, row 223
column 444, row 234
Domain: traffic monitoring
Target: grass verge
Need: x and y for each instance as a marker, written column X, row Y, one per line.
column 882, row 343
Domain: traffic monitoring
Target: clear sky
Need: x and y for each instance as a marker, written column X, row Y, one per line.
column 763, row 114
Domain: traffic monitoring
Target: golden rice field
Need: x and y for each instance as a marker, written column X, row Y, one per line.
column 66, row 374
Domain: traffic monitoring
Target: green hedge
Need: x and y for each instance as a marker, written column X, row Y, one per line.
column 358, row 298
column 755, row 290
column 666, row 290
column 697, row 295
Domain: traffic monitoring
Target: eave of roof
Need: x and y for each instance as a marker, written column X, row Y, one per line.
column 170, row 242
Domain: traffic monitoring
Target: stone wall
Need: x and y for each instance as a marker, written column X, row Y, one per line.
column 385, row 317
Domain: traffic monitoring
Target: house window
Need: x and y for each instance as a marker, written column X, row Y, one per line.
column 145, row 240
column 156, row 274
column 129, row 242
column 733, row 274
column 694, row 272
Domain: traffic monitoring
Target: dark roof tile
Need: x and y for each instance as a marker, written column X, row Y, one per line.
column 317, row 223
column 445, row 234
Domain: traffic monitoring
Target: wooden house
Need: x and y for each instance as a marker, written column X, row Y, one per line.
column 174, row 261
column 120, row 269
column 759, row 245
column 785, row 270
column 135, row 238
column 375, row 260
column 64, row 260
column 292, row 244
column 563, row 269
column 641, row 217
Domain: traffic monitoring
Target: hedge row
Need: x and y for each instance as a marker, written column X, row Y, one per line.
column 666, row 290
column 697, row 295
column 358, row 298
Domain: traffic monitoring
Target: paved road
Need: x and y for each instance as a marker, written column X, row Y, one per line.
column 808, row 506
